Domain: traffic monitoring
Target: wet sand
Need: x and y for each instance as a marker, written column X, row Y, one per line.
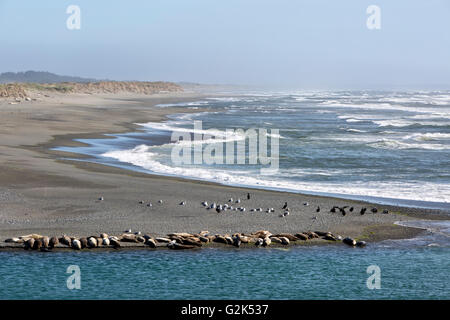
column 42, row 193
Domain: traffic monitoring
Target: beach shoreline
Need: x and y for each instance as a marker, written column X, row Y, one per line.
column 42, row 193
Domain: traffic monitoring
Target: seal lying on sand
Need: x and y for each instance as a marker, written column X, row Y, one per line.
column 76, row 244
column 349, row 241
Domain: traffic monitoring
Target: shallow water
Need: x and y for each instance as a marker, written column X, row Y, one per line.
column 410, row 269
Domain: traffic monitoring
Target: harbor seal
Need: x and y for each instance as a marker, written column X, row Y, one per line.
column 66, row 240
column 105, row 242
column 361, row 244
column 302, row 236
column 92, row 242
column 276, row 239
column 312, row 235
column 191, row 242
column 45, row 242
column 178, row 246
column 286, row 235
column 83, row 243
column 329, row 237
column 37, row 244
column 114, row 242
column 29, row 244
column 236, row 241
column 349, row 241
column 150, row 242
column 220, row 239
column 266, row 242
column 259, row 242
column 162, row 240
column 76, row 244
column 53, row 242
column 126, row 237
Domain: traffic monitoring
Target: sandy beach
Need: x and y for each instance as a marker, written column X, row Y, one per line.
column 42, row 193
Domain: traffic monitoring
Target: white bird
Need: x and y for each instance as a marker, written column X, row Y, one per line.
column 128, row 231
column 182, row 203
column 160, row 201
column 231, row 200
column 101, row 199
column 238, row 201
column 205, row 204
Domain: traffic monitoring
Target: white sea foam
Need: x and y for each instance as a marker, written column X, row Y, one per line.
column 395, row 144
column 445, row 112
column 354, row 130
column 407, row 123
column 427, row 136
column 409, row 190
column 182, row 104
column 440, row 100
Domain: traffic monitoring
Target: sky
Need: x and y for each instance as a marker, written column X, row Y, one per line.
column 313, row 44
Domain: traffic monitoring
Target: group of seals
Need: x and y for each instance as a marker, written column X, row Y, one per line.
column 177, row 241
column 35, row 242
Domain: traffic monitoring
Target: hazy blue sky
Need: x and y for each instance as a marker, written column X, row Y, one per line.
column 304, row 44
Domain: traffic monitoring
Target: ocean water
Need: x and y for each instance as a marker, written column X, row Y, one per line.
column 409, row 269
column 390, row 147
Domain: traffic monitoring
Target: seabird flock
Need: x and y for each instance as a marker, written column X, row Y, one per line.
column 235, row 205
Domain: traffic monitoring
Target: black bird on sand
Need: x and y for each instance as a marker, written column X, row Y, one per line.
column 374, row 210
column 333, row 209
column 342, row 210
column 248, row 196
column 363, row 210
column 217, row 209
column 351, row 209
column 285, row 205
column 318, row 209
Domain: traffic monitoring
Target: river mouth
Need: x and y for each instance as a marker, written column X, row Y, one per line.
column 406, row 273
